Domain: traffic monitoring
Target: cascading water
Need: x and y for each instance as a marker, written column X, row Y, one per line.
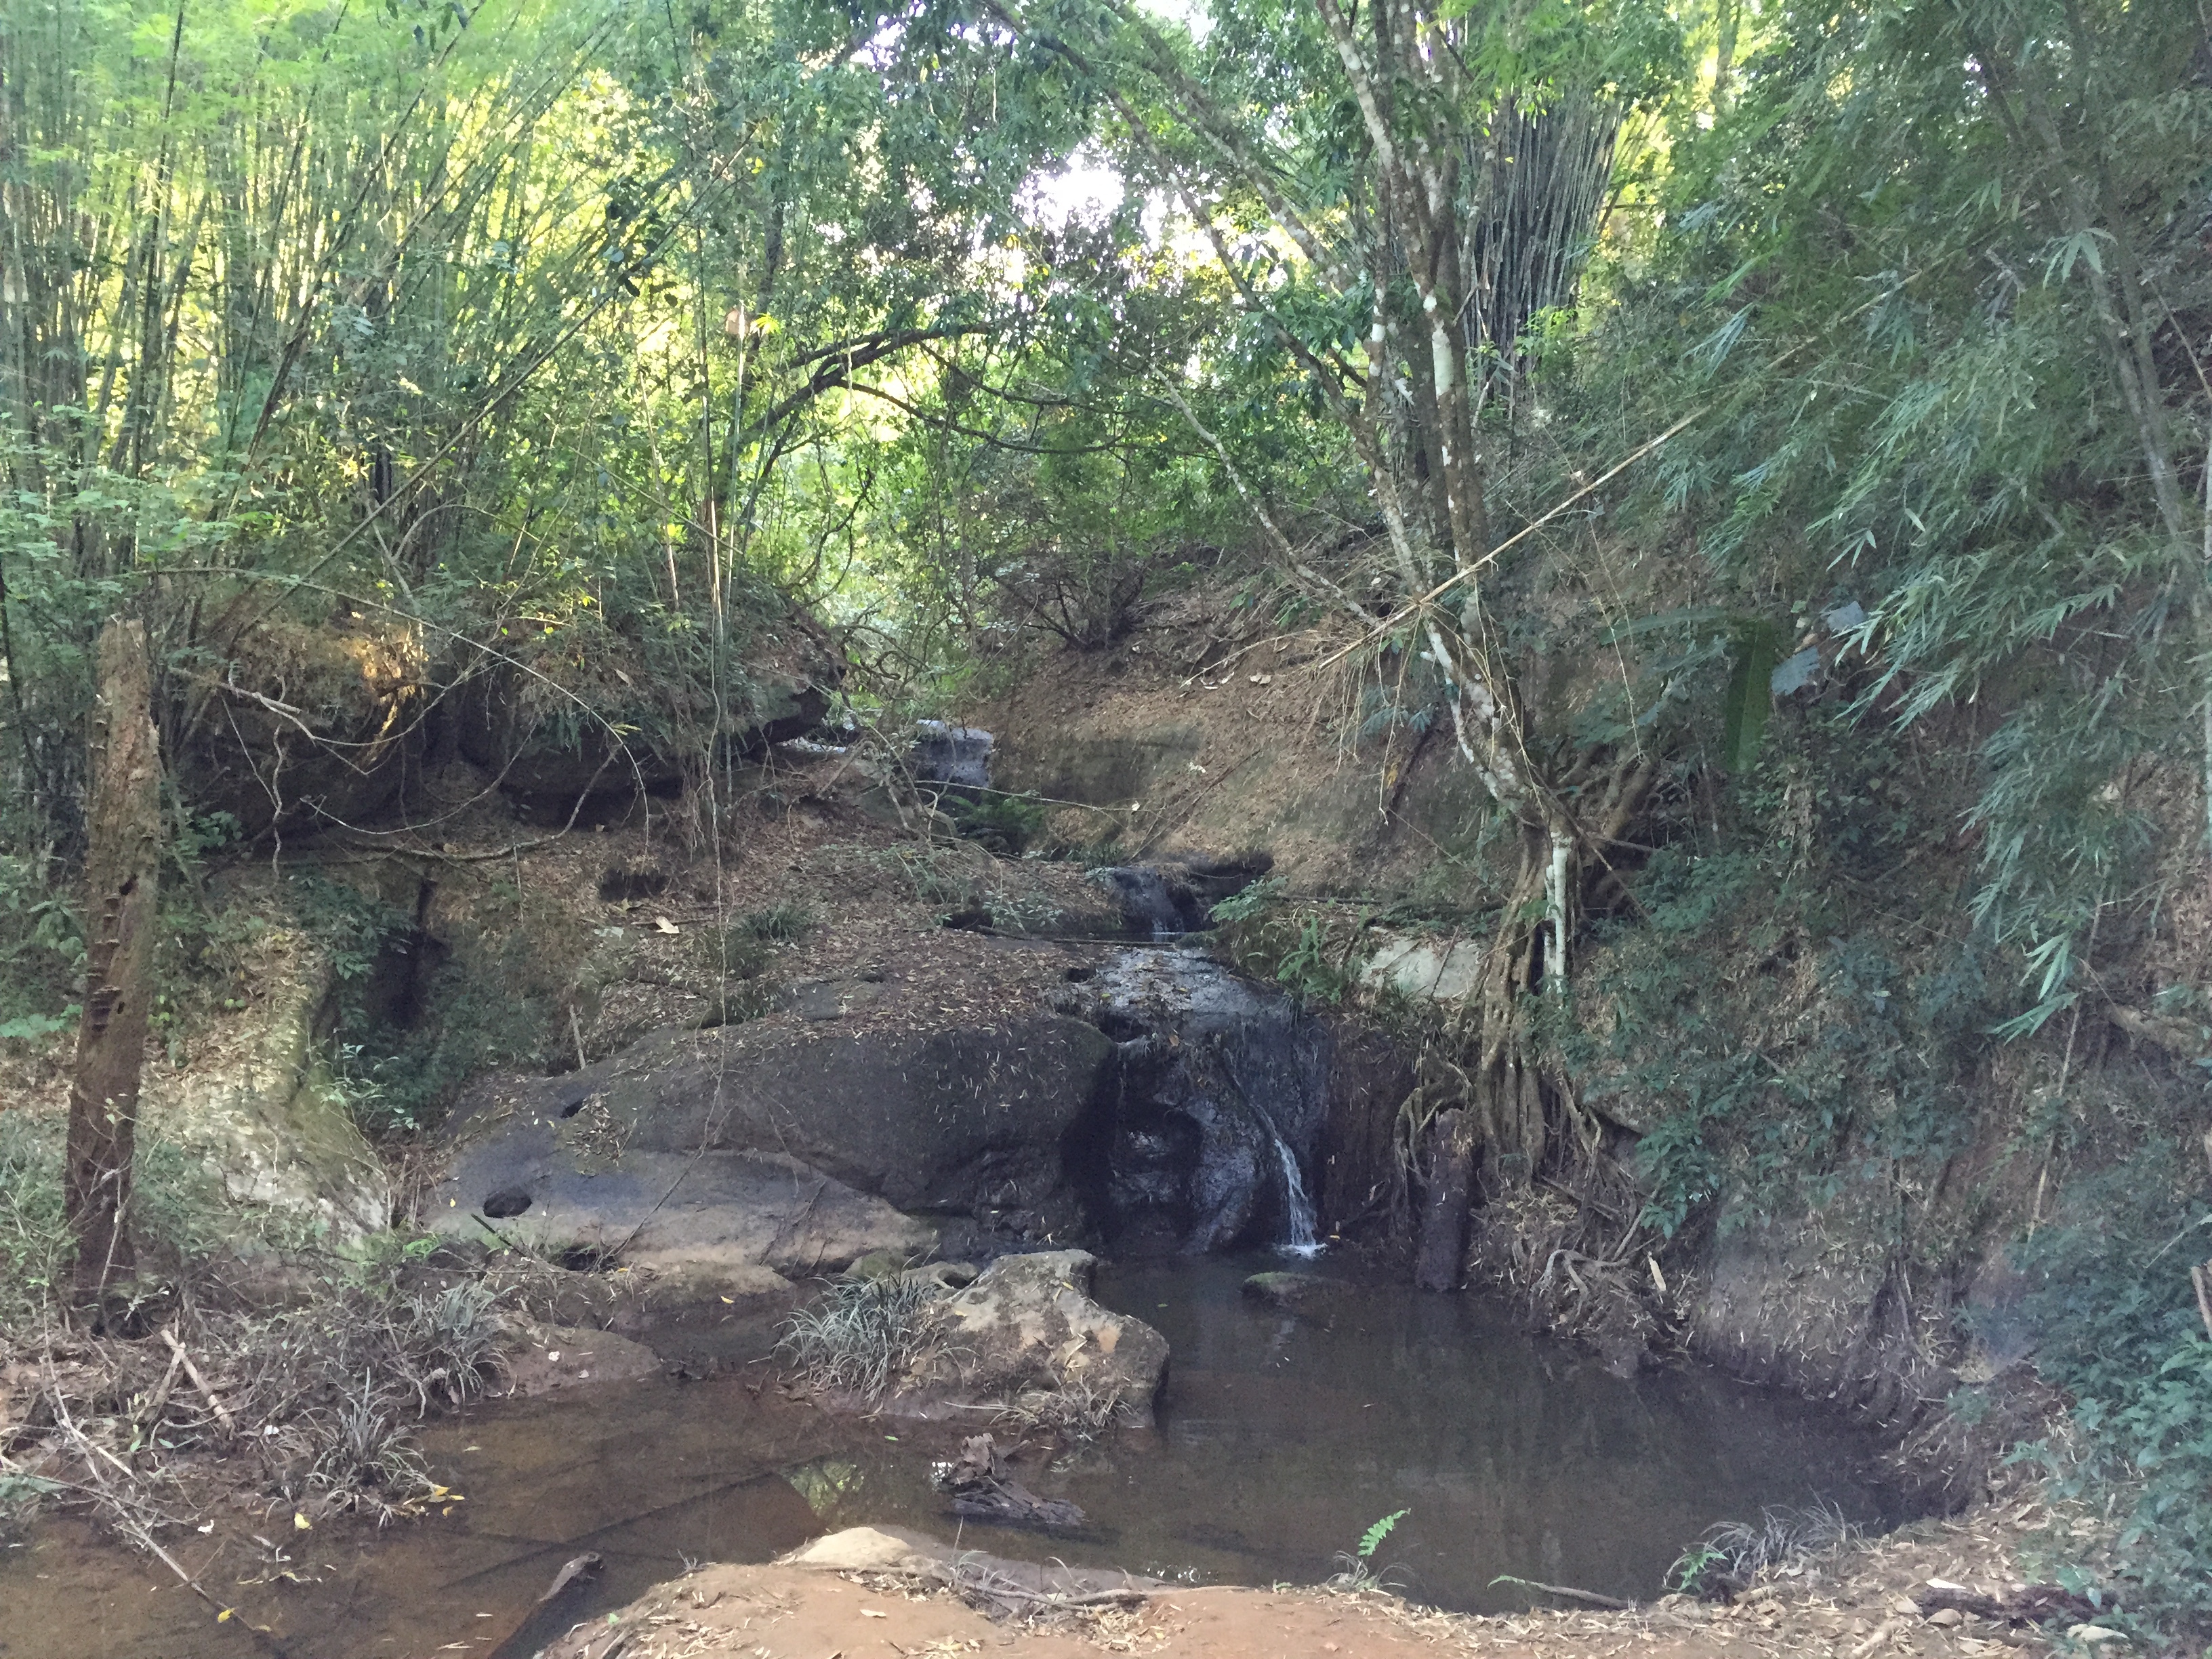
column 1299, row 1237
column 1211, row 1073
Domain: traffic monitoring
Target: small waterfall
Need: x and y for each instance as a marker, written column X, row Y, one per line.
column 1300, row 1237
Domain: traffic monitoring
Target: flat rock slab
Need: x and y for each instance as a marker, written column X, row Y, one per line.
column 740, row 1159
column 738, row 1223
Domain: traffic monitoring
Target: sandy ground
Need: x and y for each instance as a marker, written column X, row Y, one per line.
column 861, row 1594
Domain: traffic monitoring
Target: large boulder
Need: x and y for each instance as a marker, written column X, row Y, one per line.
column 1221, row 1096
column 957, row 755
column 572, row 727
column 258, row 1110
column 787, row 1145
column 1028, row 1327
column 291, row 724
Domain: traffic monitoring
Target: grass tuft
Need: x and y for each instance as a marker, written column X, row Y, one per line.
column 865, row 1333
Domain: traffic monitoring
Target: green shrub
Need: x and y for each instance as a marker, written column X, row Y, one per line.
column 34, row 1246
column 41, row 950
column 783, row 923
column 1006, row 825
column 1313, row 953
column 2109, row 1304
column 485, row 1009
column 178, row 1213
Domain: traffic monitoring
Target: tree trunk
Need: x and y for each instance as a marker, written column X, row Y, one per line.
column 1450, row 1161
column 122, row 868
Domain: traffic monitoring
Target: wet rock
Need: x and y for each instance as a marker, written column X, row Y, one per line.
column 869, row 1549
column 879, row 1264
column 956, row 755
column 1155, row 902
column 1297, row 1293
column 982, row 1489
column 1027, row 1326
column 551, row 1358
column 887, row 1264
column 1221, row 1090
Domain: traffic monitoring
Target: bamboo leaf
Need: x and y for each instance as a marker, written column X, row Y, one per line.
column 1756, row 649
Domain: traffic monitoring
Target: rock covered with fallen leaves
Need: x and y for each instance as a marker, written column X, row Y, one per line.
column 1027, row 1333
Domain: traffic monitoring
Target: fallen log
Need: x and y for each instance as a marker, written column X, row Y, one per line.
column 2023, row 1604
column 981, row 1490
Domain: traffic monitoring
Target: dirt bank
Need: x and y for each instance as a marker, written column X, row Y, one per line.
column 864, row 1593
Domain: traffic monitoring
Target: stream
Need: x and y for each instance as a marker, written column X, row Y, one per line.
column 1280, row 1439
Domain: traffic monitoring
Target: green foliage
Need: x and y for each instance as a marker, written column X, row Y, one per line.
column 1371, row 1539
column 486, row 1005
column 866, row 1333
column 35, row 1247
column 1314, row 953
column 1767, row 1052
column 1907, row 314
column 1730, row 1556
column 1755, row 649
column 41, row 949
column 353, row 928
column 2109, row 1295
column 1315, row 970
column 783, row 923
column 1252, row 901
column 1004, row 823
column 180, row 1214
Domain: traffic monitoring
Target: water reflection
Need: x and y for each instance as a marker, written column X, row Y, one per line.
column 1280, row 1440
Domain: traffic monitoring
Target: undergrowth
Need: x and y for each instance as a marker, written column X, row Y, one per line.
column 482, row 1006
column 1729, row 1558
column 865, row 1333
column 1315, row 952
column 2108, row 1293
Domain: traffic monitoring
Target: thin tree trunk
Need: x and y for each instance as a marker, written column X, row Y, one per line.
column 1450, row 1160
column 122, row 869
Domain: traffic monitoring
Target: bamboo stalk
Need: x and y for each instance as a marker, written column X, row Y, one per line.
column 199, row 1381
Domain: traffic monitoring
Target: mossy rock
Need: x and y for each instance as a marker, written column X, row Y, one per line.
column 1297, row 1293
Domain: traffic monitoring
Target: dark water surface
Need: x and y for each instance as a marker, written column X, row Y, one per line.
column 1279, row 1441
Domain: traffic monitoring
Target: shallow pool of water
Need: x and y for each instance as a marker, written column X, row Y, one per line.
column 1280, row 1439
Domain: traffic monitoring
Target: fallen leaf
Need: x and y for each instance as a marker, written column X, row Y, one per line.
column 666, row 925
column 300, row 1523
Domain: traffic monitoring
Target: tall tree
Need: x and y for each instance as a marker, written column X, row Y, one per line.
column 1395, row 192
column 122, row 872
